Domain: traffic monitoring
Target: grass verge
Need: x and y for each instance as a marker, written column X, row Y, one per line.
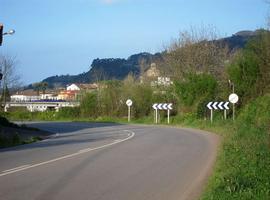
column 242, row 167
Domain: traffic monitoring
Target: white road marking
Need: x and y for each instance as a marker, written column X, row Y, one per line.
column 24, row 167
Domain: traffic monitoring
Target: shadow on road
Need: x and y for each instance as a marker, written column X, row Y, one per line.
column 68, row 127
column 66, row 134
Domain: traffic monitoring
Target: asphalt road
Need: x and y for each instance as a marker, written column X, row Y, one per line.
column 99, row 161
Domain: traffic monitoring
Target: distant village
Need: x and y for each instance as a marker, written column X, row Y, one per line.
column 70, row 96
column 73, row 91
column 70, row 93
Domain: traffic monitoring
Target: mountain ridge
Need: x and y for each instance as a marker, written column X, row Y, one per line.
column 119, row 68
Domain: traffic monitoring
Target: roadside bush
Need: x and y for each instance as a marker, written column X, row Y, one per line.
column 46, row 115
column 20, row 115
column 257, row 113
column 110, row 100
column 68, row 113
column 202, row 110
column 195, row 89
column 4, row 122
column 142, row 98
column 250, row 70
column 7, row 140
column 88, row 107
column 16, row 139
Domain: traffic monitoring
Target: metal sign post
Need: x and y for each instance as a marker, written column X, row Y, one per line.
column 211, row 115
column 156, row 116
column 155, row 112
column 168, row 114
column 128, row 113
column 129, row 104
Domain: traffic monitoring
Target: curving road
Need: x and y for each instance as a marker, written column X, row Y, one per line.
column 107, row 161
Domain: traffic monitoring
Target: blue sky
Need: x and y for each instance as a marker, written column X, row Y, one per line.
column 55, row 37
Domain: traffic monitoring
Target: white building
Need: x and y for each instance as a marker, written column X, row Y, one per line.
column 31, row 95
column 162, row 81
column 73, row 87
column 82, row 86
column 48, row 96
column 24, row 98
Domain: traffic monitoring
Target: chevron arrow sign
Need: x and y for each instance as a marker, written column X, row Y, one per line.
column 155, row 106
column 218, row 105
column 162, row 106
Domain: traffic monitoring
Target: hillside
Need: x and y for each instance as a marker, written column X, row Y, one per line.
column 106, row 69
column 119, row 68
column 239, row 39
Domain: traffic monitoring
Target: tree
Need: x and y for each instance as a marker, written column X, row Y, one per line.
column 110, row 98
column 98, row 75
column 250, row 70
column 37, row 87
column 5, row 95
column 10, row 79
column 196, row 51
column 88, row 106
column 43, row 86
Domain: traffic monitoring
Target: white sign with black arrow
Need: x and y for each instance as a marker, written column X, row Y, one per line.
column 218, row 106
column 162, row 106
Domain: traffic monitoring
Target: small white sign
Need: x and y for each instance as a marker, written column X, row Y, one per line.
column 233, row 98
column 129, row 102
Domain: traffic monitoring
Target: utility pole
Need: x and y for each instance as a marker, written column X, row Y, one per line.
column 234, row 98
column 2, row 33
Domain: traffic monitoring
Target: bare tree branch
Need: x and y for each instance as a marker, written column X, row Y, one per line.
column 11, row 78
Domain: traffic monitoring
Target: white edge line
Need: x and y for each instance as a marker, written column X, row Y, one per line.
column 22, row 168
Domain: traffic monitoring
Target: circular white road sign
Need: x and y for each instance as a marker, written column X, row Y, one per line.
column 129, row 102
column 233, row 98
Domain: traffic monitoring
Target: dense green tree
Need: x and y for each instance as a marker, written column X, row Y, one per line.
column 88, row 106
column 43, row 87
column 110, row 98
column 250, row 70
column 37, row 87
column 194, row 87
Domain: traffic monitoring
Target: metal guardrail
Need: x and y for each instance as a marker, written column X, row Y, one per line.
column 43, row 105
